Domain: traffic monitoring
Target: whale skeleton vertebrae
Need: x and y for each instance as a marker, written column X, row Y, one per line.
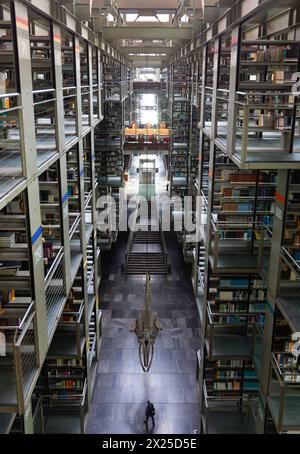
column 146, row 329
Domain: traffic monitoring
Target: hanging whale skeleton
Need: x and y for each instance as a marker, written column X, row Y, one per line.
column 146, row 329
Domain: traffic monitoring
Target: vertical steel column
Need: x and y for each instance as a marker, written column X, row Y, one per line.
column 201, row 137
column 94, row 233
column 60, row 142
column 90, row 80
column 210, row 199
column 273, row 278
column 190, row 97
column 200, row 145
column 99, row 70
column 233, row 85
column 29, row 162
column 81, row 176
column 202, row 110
column 28, row 420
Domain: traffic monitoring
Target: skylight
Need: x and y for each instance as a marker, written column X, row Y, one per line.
column 147, row 19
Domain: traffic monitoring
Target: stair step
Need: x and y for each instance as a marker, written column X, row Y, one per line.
column 141, row 241
column 146, row 238
column 145, row 259
column 144, row 254
column 145, row 270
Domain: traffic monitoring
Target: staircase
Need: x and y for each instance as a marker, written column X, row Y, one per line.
column 146, row 237
column 146, row 251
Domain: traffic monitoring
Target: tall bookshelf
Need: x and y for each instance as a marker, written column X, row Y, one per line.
column 49, row 260
column 180, row 125
column 248, row 181
column 109, row 151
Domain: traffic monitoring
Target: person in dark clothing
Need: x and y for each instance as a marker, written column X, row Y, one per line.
column 150, row 412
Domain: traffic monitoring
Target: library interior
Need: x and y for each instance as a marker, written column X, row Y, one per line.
column 149, row 216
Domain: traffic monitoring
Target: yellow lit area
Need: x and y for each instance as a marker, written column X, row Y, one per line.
column 160, row 132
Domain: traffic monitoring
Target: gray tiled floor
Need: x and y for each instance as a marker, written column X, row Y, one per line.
column 122, row 388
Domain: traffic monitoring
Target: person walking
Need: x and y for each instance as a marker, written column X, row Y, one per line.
column 149, row 413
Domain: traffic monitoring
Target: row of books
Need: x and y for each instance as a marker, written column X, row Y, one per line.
column 240, row 319
column 247, row 177
column 67, row 384
column 291, row 377
column 251, row 192
column 7, row 239
column 272, row 121
column 272, row 54
column 48, row 196
column 239, row 307
column 238, row 282
column 232, row 295
column 58, row 373
column 288, row 361
column 64, row 362
column 235, row 374
column 227, row 386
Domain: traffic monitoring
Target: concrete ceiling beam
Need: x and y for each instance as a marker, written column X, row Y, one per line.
column 146, row 49
column 145, row 32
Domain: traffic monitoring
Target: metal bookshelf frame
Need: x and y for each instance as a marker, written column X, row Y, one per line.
column 236, row 24
column 37, row 157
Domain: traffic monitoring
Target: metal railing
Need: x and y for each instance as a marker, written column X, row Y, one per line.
column 163, row 245
column 263, row 253
column 243, row 243
column 65, row 404
column 55, row 294
column 21, row 341
column 130, row 237
column 254, row 116
column 257, row 339
column 12, row 164
column 280, row 390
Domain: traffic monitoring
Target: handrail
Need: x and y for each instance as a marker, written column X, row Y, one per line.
column 130, row 238
column 237, row 313
column 70, row 88
column 54, row 266
column 78, row 315
column 24, row 318
column 219, row 224
column 225, row 90
column 204, row 198
column 209, row 315
column 19, row 340
column 46, row 101
column 70, row 96
column 277, row 370
column 46, row 90
column 163, row 243
column 75, row 225
column 290, row 261
column 19, row 362
column 285, row 255
column 88, row 197
column 91, row 277
column 10, row 109
column 205, row 394
column 9, row 95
